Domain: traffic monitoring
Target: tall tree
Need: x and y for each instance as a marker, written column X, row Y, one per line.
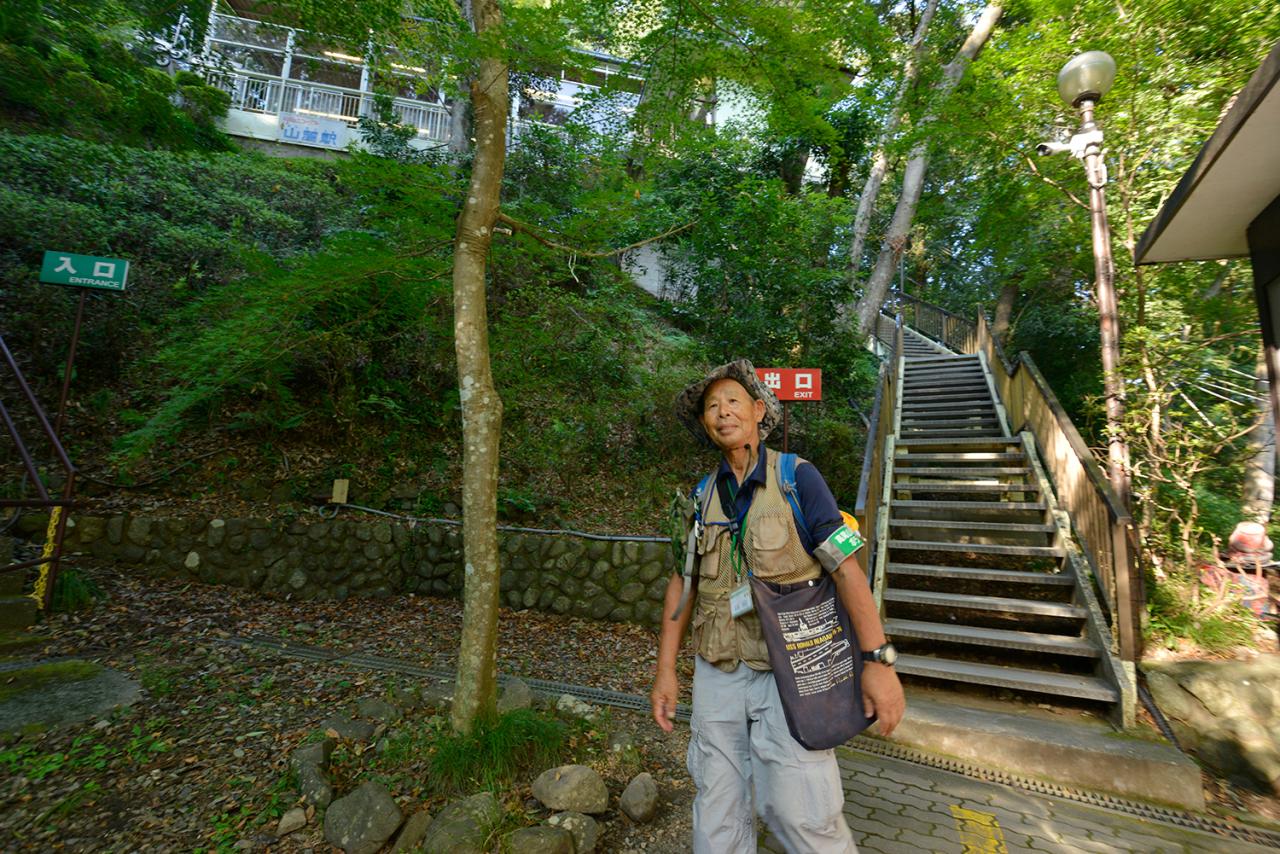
column 880, row 159
column 895, row 239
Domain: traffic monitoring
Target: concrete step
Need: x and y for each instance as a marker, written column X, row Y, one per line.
column 1004, row 605
column 957, row 403
column 1078, row 647
column 961, row 443
column 1073, row 751
column 943, row 360
column 953, row 415
column 944, row 471
column 906, row 486
column 912, row 504
column 11, row 582
column 978, row 548
column 976, row 457
column 1015, row 678
column 971, row 573
column 994, row 527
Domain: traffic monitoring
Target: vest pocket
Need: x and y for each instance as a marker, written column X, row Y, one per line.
column 709, row 552
column 769, row 536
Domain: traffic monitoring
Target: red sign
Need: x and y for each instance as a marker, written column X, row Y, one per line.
column 793, row 383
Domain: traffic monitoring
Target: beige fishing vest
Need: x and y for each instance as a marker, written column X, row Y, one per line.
column 773, row 553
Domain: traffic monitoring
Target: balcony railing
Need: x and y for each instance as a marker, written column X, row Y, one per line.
column 258, row 93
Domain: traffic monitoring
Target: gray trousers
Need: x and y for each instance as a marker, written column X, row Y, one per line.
column 739, row 747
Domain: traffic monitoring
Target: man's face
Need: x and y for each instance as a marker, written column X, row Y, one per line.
column 730, row 416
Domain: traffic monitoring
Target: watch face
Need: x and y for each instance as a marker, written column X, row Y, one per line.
column 888, row 654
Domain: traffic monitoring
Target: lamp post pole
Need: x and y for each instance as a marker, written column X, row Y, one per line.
column 1090, row 135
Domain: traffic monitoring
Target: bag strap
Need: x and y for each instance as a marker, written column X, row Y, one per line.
column 787, row 478
column 701, row 501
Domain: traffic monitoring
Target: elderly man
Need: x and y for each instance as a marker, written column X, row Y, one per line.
column 740, row 749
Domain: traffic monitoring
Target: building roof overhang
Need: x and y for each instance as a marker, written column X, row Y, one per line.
column 1235, row 176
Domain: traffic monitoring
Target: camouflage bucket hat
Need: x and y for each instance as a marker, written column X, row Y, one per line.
column 689, row 401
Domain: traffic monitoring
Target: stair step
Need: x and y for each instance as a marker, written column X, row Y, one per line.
column 17, row 612
column 944, row 360
column 975, row 383
column 1003, row 638
column 971, row 573
column 941, row 471
column 904, row 486
column 955, row 372
column 960, row 457
column 957, row 403
column 969, row 505
column 987, row 421
column 996, row 442
column 930, row 391
column 1004, row 605
column 977, row 548
column 1016, row 678
column 1011, row 527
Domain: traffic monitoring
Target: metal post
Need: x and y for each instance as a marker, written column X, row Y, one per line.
column 71, row 360
column 1104, row 285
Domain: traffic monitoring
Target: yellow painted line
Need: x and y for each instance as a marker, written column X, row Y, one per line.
column 979, row 831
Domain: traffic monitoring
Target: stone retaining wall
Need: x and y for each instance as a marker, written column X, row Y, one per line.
column 336, row 559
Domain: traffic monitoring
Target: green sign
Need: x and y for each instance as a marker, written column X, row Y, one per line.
column 84, row 271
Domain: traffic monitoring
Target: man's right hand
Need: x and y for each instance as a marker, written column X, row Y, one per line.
column 663, row 699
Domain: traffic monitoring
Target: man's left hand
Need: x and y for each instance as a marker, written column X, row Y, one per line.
column 882, row 695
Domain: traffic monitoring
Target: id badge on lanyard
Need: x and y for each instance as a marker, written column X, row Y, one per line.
column 740, row 601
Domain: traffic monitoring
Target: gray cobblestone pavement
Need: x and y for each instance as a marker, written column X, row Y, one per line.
column 896, row 807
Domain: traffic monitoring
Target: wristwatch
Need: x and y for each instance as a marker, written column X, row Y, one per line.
column 886, row 654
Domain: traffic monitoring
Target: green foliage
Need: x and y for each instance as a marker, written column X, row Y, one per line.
column 73, row 590
column 496, row 752
column 1179, row 607
column 186, row 222
column 85, row 69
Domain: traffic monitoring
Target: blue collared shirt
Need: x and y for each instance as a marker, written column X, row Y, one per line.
column 821, row 515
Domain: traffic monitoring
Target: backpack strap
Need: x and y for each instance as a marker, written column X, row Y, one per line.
column 701, row 501
column 787, row 478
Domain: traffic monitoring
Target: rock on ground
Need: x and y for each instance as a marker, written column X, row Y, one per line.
column 463, row 826
column 377, row 709
column 362, row 822
column 575, row 788
column 294, row 819
column 572, row 706
column 348, row 729
column 542, row 840
column 411, row 835
column 316, row 753
column 583, row 827
column 516, row 695
column 640, row 798
column 1225, row 712
column 314, row 786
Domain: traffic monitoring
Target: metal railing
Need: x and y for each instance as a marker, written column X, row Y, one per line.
column 1103, row 525
column 259, row 93
column 877, row 458
column 57, row 529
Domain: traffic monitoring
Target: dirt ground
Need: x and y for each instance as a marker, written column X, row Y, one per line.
column 199, row 763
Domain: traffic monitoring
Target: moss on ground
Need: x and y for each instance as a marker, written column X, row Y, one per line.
column 22, row 680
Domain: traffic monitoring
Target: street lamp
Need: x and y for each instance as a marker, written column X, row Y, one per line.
column 1082, row 83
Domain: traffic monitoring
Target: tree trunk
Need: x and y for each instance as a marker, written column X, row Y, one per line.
column 1004, row 310
column 481, row 406
column 913, row 177
column 1260, row 467
column 880, row 159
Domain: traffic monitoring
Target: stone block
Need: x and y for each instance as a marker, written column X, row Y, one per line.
column 631, row 592
column 115, row 530
column 139, row 531
column 216, row 533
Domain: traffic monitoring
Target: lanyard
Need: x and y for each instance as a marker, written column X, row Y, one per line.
column 737, row 536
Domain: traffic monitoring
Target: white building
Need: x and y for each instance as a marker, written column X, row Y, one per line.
column 294, row 92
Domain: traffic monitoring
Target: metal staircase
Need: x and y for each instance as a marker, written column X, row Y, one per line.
column 982, row 583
